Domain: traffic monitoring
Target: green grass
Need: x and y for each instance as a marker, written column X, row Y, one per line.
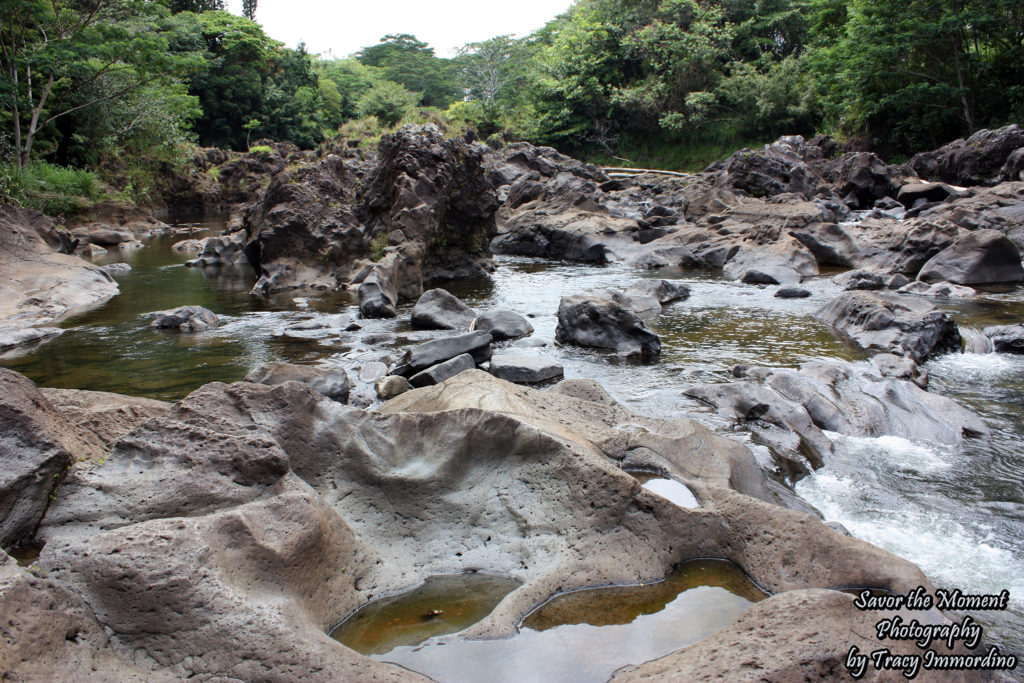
column 51, row 189
column 667, row 155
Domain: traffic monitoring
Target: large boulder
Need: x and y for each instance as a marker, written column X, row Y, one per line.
column 891, row 323
column 977, row 258
column 781, row 167
column 429, row 197
column 38, row 285
column 438, row 309
column 503, row 325
column 605, row 321
column 331, row 382
column 978, row 160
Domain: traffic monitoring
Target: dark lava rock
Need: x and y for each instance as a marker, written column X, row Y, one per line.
column 524, row 369
column 792, row 293
column 442, row 371
column 775, row 169
column 978, row 160
column 419, row 358
column 980, row 257
column 330, row 382
column 603, row 322
column 861, row 178
column 912, row 193
column 185, row 318
column 503, row 325
column 438, row 309
column 891, row 323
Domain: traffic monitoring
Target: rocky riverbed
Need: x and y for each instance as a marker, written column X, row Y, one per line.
column 224, row 534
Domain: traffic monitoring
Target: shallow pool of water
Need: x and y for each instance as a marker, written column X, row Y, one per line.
column 586, row 635
column 442, row 605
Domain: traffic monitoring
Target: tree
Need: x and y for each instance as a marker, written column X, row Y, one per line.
column 249, row 9
column 53, row 49
column 411, row 62
column 195, row 6
column 388, row 101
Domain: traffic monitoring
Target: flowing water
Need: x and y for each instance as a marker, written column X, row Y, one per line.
column 958, row 512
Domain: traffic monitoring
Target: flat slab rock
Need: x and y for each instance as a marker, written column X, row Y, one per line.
column 419, row 358
column 12, row 337
column 524, row 369
column 442, row 371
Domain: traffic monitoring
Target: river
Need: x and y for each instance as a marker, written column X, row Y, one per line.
column 957, row 512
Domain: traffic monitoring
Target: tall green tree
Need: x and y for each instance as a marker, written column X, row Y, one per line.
column 412, row 63
column 62, row 56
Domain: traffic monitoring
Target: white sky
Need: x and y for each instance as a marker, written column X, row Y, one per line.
column 342, row 27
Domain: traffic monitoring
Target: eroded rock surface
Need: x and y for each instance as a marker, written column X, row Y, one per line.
column 893, row 323
column 605, row 320
column 223, row 537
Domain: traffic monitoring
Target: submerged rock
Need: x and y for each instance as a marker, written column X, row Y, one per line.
column 891, row 323
column 792, row 293
column 185, row 318
column 24, row 336
column 604, row 321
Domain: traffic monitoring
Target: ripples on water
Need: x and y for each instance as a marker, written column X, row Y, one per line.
column 957, row 512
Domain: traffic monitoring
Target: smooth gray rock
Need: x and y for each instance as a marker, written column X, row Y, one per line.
column 390, row 386
column 185, row 318
column 893, row 323
column 665, row 291
column 524, row 369
column 442, row 371
column 419, row 358
column 890, row 365
column 503, row 325
column 372, row 371
column 792, row 293
column 978, row 258
column 438, row 309
column 330, row 382
column 770, row 275
column 603, row 322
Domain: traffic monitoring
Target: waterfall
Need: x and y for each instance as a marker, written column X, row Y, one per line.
column 976, row 341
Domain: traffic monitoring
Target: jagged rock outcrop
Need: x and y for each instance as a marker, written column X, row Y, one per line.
column 892, row 323
column 428, row 199
column 978, row 160
column 779, row 168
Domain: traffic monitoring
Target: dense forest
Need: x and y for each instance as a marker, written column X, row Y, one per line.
column 123, row 87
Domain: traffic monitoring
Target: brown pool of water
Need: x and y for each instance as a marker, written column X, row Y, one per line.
column 442, row 605
column 586, row 635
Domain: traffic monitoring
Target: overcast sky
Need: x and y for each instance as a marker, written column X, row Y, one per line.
column 341, row 28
